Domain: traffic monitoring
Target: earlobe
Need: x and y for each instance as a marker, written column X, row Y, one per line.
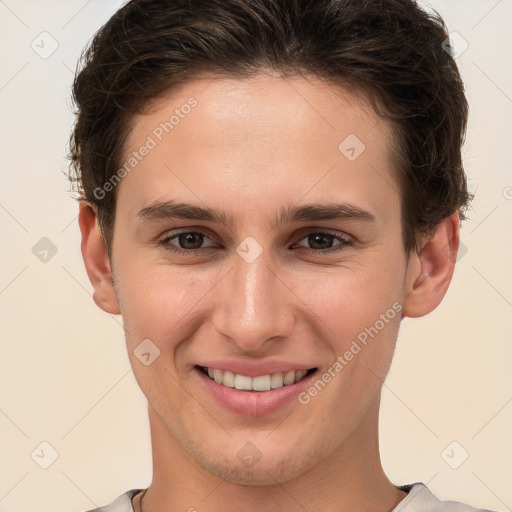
column 430, row 269
column 97, row 264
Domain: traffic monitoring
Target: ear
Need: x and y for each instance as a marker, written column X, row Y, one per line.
column 430, row 269
column 97, row 264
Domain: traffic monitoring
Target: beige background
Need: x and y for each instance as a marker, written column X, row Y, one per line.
column 65, row 378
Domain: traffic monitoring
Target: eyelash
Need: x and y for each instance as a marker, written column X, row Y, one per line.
column 166, row 238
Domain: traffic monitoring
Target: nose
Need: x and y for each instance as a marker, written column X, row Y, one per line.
column 255, row 306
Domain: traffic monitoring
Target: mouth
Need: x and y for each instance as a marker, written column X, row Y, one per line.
column 259, row 383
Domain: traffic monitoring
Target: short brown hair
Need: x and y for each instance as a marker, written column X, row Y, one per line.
column 392, row 50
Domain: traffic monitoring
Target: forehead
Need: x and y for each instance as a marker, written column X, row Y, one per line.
column 271, row 103
column 235, row 140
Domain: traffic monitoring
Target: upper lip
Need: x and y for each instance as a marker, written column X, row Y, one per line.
column 254, row 368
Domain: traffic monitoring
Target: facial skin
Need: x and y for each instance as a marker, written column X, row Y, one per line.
column 250, row 148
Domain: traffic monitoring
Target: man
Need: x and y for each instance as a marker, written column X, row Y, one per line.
column 267, row 187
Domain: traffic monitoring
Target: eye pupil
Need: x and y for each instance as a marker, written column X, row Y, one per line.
column 186, row 238
column 315, row 238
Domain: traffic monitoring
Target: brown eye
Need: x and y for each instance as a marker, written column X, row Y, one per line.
column 190, row 240
column 320, row 242
column 185, row 242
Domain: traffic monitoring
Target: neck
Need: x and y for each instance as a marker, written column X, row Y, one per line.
column 349, row 478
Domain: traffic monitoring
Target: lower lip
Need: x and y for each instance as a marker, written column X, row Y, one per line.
column 253, row 403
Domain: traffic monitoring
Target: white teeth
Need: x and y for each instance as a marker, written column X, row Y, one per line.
column 218, row 377
column 260, row 383
column 299, row 374
column 289, row 378
column 229, row 379
column 243, row 382
column 276, row 381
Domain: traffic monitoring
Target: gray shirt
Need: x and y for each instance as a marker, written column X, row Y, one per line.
column 419, row 499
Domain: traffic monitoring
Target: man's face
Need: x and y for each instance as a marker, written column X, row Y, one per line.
column 261, row 293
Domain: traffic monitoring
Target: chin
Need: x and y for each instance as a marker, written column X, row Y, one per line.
column 273, row 465
column 261, row 474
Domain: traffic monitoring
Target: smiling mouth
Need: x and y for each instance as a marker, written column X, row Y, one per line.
column 259, row 383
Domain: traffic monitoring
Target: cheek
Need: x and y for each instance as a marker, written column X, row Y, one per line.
column 358, row 320
column 357, row 314
column 346, row 301
column 159, row 302
column 158, row 305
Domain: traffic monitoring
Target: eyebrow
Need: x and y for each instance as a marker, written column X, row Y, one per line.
column 290, row 214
